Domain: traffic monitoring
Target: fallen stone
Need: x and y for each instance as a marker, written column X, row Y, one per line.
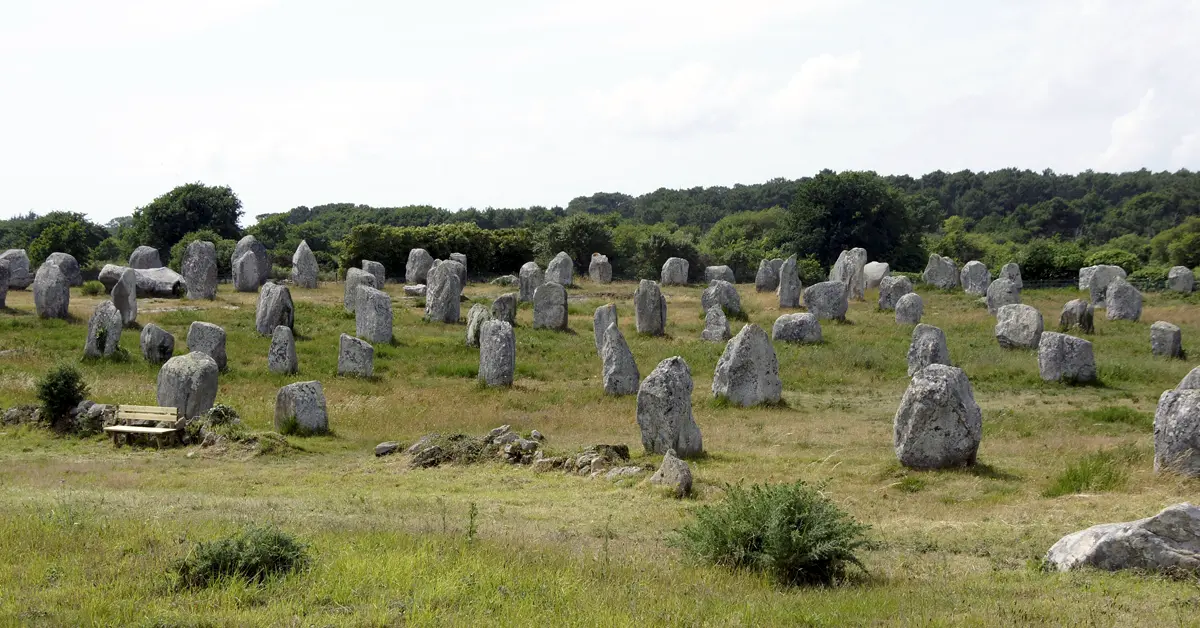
column 1168, row 542
column 207, row 338
column 415, row 291
column 1077, row 313
column 356, row 358
column 497, row 353
column 891, row 289
column 909, row 309
column 157, row 344
column 386, row 449
column 1065, row 358
column 716, row 325
column 928, row 346
column 664, row 410
column 938, row 424
column 189, row 383
column 300, row 409
column 1019, row 327
column 827, row 300
column 747, row 373
column 802, row 328
column 649, row 309
column 505, row 280
column 200, row 270
column 281, row 355
column 1166, row 340
column 274, row 308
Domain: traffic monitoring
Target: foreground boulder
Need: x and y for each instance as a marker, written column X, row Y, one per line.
column 51, row 292
column 1168, row 542
column 767, row 278
column 1077, row 314
column 1019, row 327
column 531, row 276
column 104, row 331
column 1177, row 432
column 789, row 285
column 716, row 325
column 827, row 300
column 941, row 272
column 157, row 344
column 674, row 474
column 355, row 277
column 891, row 289
column 145, row 257
column 304, row 266
column 497, row 353
column 550, row 307
column 262, row 261
column 189, row 383
column 1181, row 279
column 19, row 276
column 476, row 317
column 356, row 358
column 443, row 292
column 376, row 269
column 619, row 369
column 674, row 272
column 416, row 270
column 561, row 270
column 200, row 270
column 909, row 309
column 504, row 308
column 1166, row 340
column 1095, row 279
column 281, row 355
column 124, row 296
column 1012, row 272
column 874, row 272
column 69, row 267
column 722, row 294
column 604, row 316
column 300, row 409
column 938, row 425
column 600, row 270
column 724, row 273
column 801, row 328
column 1122, row 301
column 975, row 278
column 748, row 372
column 373, row 315
column 928, row 346
column 649, row 309
column 274, row 308
column 848, row 269
column 664, row 410
column 1065, row 358
column 1000, row 293
column 210, row 339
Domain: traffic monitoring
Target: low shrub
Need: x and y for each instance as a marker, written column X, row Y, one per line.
column 254, row 553
column 60, row 390
column 92, row 288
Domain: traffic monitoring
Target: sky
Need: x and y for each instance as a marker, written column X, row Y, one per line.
column 106, row 105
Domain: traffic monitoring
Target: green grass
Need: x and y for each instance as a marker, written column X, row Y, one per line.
column 1094, row 473
column 1120, row 414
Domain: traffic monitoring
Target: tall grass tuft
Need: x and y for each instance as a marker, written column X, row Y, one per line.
column 1120, row 414
column 1096, row 472
column 254, row 553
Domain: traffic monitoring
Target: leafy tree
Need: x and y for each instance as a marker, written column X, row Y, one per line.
column 223, row 246
column 1114, row 257
column 579, row 235
column 63, row 237
column 185, row 209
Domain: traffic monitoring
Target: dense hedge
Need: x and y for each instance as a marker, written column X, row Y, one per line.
column 489, row 252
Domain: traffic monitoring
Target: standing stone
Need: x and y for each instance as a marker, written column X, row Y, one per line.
column 210, row 339
column 716, row 325
column 145, row 257
column 1012, row 272
column 938, row 424
column 3, row 283
column 975, row 278
column 250, row 244
column 827, row 300
column 1065, row 358
column 275, row 308
column 19, row 276
column 605, row 315
column 158, row 345
column 848, row 269
column 124, row 296
column 300, row 409
column 497, row 353
column 748, row 372
column 1191, row 381
column 619, row 369
column 1181, row 279
column 461, row 258
column 189, row 383
column 281, row 356
column 417, row 269
column 801, row 328
column 1077, row 313
column 928, row 347
column 460, row 271
column 1177, row 432
column 600, row 270
column 51, row 292
column 304, row 266
column 649, row 309
column 724, row 273
column 1096, row 279
column 1019, row 327
column 476, row 317
column 874, row 272
column 373, row 315
column 1166, row 340
column 356, row 358
column 891, row 289
column 104, row 331
column 664, row 410
column 674, row 272
column 200, row 270
column 941, row 272
column 504, row 308
column 1000, row 293
column 561, row 270
column 376, row 269
column 767, row 279
column 1164, row 543
column 69, row 267
column 356, row 277
column 789, row 285
column 909, row 309
column 1123, row 301
column 722, row 294
column 245, row 272
column 550, row 307
column 674, row 474
column 442, row 293
column 531, row 276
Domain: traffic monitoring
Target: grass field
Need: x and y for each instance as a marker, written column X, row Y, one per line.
column 88, row 533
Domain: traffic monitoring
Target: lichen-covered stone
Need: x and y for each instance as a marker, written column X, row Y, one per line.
column 747, row 373
column 51, row 292
column 619, row 369
column 476, row 317
column 497, row 353
column 827, row 300
column 722, row 294
column 1065, row 358
column 848, row 269
column 1019, row 327
column 1168, row 542
column 664, row 410
column 767, row 278
column 1077, row 313
column 1122, row 301
column 802, row 328
column 416, row 270
column 716, row 325
column 941, row 272
column 356, row 277
column 262, row 261
column 561, row 270
column 600, row 270
column 531, row 276
column 938, row 424
column 550, row 307
column 69, row 267
column 188, row 382
column 649, row 309
column 1177, row 432
column 281, row 355
column 200, row 270
column 274, row 308
column 1181, row 279
column 504, row 308
column 104, row 331
column 789, row 285
column 909, row 309
column 1166, row 340
column 373, row 315
column 304, row 266
column 874, row 272
column 443, row 293
column 1000, row 293
column 724, row 273
column 356, row 358
column 300, row 409
column 157, row 344
column 124, row 296
column 209, row 339
column 928, row 346
column 377, row 271
column 145, row 257
column 891, row 289
column 604, row 316
column 674, row 272
column 975, row 278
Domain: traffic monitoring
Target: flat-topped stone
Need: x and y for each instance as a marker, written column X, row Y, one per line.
column 200, row 270
column 827, row 300
column 550, row 307
column 373, row 315
column 724, row 273
column 300, row 409
column 1065, row 358
column 674, row 272
column 802, row 328
column 600, row 270
column 356, row 358
column 209, row 339
column 1166, row 340
column 649, row 309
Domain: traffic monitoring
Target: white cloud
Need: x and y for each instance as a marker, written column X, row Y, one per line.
column 821, row 86
column 694, row 98
column 1132, row 139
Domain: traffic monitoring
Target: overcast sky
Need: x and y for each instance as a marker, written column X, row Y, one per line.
column 106, row 105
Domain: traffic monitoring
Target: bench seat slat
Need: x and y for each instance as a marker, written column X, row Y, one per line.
column 126, row 406
column 132, row 429
column 138, row 416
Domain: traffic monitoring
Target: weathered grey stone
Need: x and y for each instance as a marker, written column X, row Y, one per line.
column 145, row 257
column 802, row 328
column 416, row 270
column 356, row 277
column 891, row 289
column 649, row 309
column 874, row 272
column 300, row 409
column 208, row 338
column 274, row 308
column 664, row 410
column 674, row 272
column 69, row 267
column 51, row 292
column 373, row 315
column 561, row 270
column 188, row 382
column 550, row 307
column 281, row 356
column 1019, row 327
column 377, row 271
column 941, row 272
column 497, row 353
column 748, row 372
column 504, row 308
column 415, row 291
column 938, row 424
column 1191, row 381
column 674, row 474
column 461, row 258
column 1167, row 542
column 19, row 276
column 722, row 294
column 250, row 244
column 1077, row 313
column 909, row 309
column 505, row 280
column 1065, row 358
column 724, row 273
column 356, row 358
column 531, row 277
column 476, row 317
column 600, row 270
column 604, row 316
column 442, row 302
column 3, row 283
column 928, row 346
column 789, row 285
column 1012, row 272
column 104, row 331
column 975, row 278
column 1122, row 301
column 1166, row 340
column 245, row 272
column 1095, row 279
column 459, row 270
column 716, row 325
column 304, row 266
column 160, row 282
column 124, row 296
column 619, row 369
column 1000, row 293
column 1177, row 432
column 1181, row 279
column 767, row 279
column 158, row 345
column 827, row 300
column 848, row 269
column 387, row 448
column 200, row 270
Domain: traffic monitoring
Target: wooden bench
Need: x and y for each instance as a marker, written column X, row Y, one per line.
column 156, row 414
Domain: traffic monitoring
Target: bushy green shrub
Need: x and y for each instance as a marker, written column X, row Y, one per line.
column 60, row 390
column 1149, row 274
column 92, row 288
column 810, row 271
column 579, row 236
column 1114, row 257
column 790, row 531
column 496, row 251
column 254, row 553
column 1051, row 260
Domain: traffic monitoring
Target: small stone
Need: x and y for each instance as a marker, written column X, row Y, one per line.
column 674, row 272
column 938, row 424
column 51, row 292
column 200, row 270
column 928, row 346
column 1077, row 313
column 536, row 435
column 722, row 294
column 531, row 277
column 874, row 272
column 497, row 353
column 386, row 449
column 675, row 474
column 208, row 338
column 802, row 328
column 789, row 285
column 891, row 289
column 767, row 279
column 417, row 268
column 356, row 277
column 621, row 473
column 619, row 369
column 649, row 309
column 124, row 296
column 1019, row 327
column 415, row 291
column 145, row 257
column 1168, row 542
column 476, row 316
column 664, row 410
column 747, row 373
column 550, row 307
column 356, row 358
column 560, row 270
column 504, row 308
column 600, row 270
column 716, row 325
column 19, row 276
column 1166, row 340
column 377, row 271
column 975, row 278
column 304, row 267
column 189, row 383
column 909, row 309
column 1000, row 293
column 827, row 300
column 1122, row 301
column 604, row 316
column 274, row 308
column 941, row 272
column 1012, row 272
column 300, row 409
column 157, row 344
column 724, row 273
column 1065, row 358
column 281, row 355
column 373, row 315
column 104, row 331
column 1191, row 381
column 1181, row 279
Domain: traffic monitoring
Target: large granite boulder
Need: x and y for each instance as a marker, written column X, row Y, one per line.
column 767, row 278
column 604, row 316
column 19, row 276
column 1065, row 358
column 941, row 272
column 158, row 345
column 355, row 278
column 1019, row 327
column 1177, row 432
column 649, row 309
column 51, row 292
column 891, row 289
column 188, row 382
column 476, row 317
column 1077, row 314
column 1122, row 301
column 373, row 315
column 1166, row 340
column 1181, row 279
column 827, row 300
column 376, row 269
column 68, row 265
column 151, row 282
column 874, row 272
column 909, row 309
column 145, row 257
column 928, row 346
column 722, row 294
column 1012, row 272
column 504, row 308
column 416, row 270
column 104, row 331
column 300, row 409
column 975, row 278
column 724, row 273
column 561, row 270
column 531, row 276
column 789, row 285
column 938, row 424
column 801, row 328
column 1168, row 542
column 600, row 270
column 210, row 339
column 664, row 410
column 1095, row 280
column 443, row 292
column 716, row 325
column 356, row 358
column 124, row 296
column 1000, row 293
column 674, row 272
column 747, row 373
column 200, row 270
column 281, row 355
column 848, row 269
column 250, row 244
column 550, row 307
column 274, row 308
column 459, row 270
column 245, row 272
column 497, row 353
column 619, row 369
column 304, row 266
